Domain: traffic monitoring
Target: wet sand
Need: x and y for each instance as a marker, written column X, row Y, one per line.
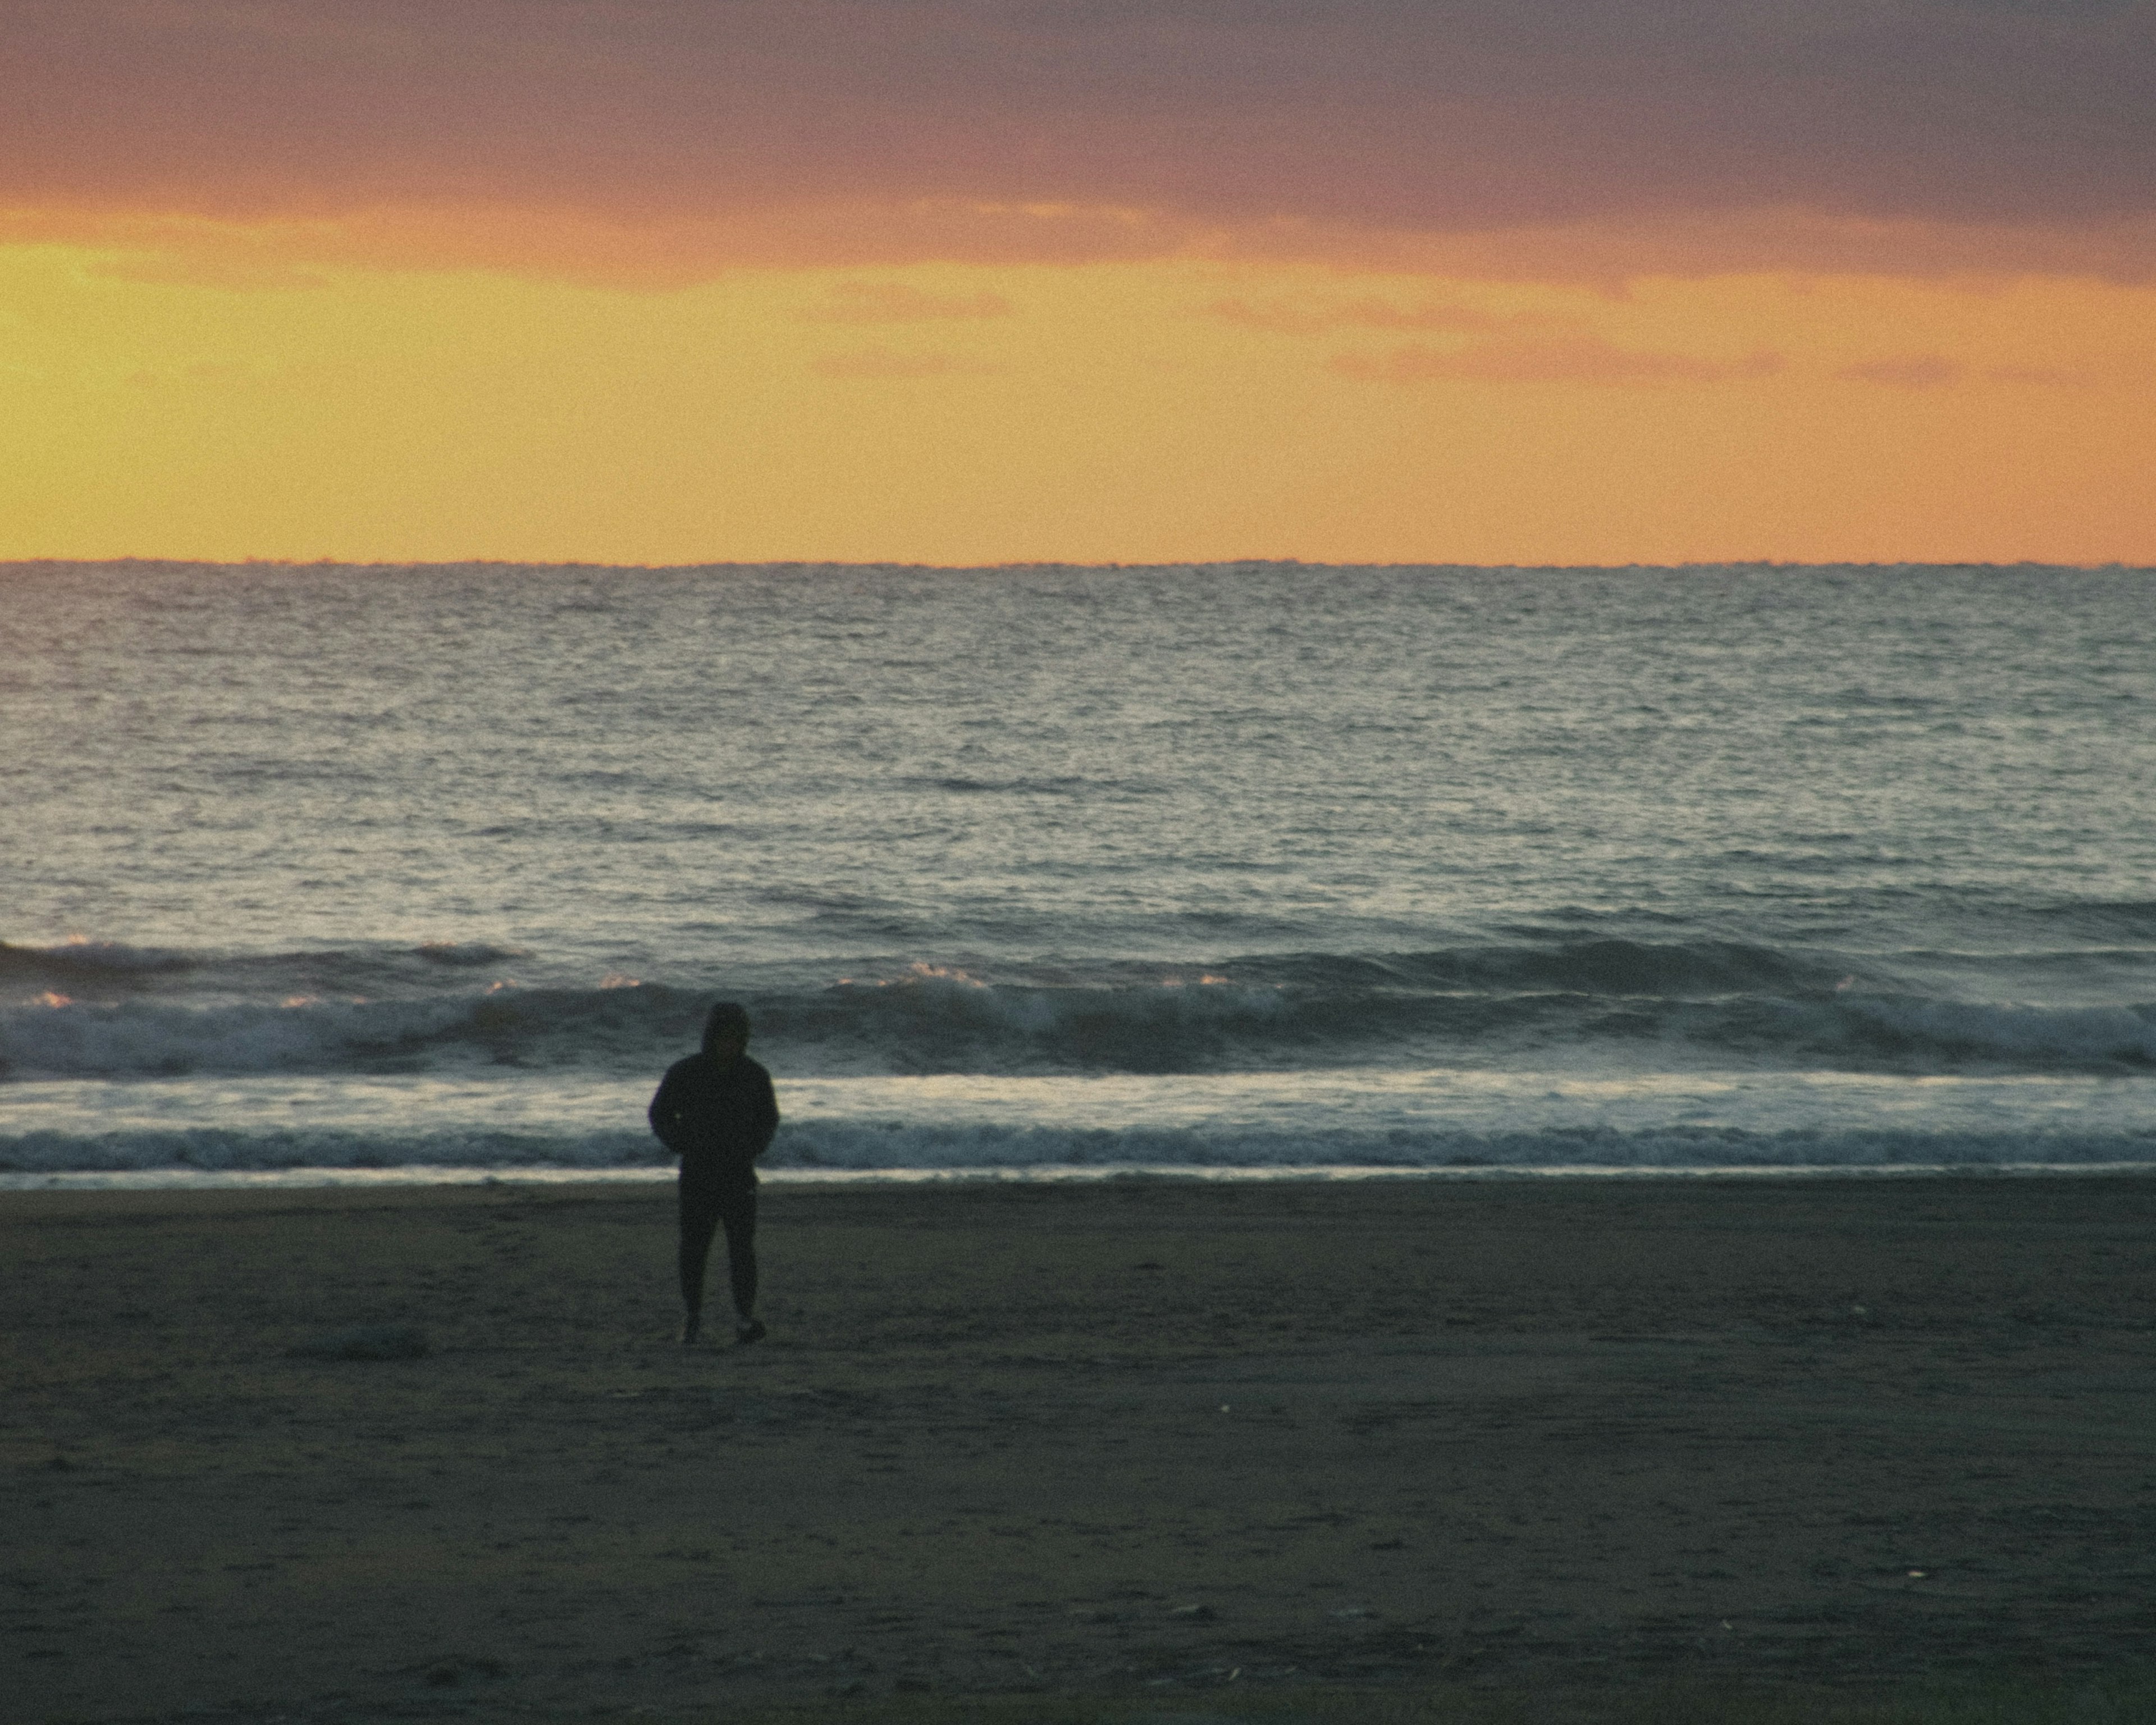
column 1138, row 1437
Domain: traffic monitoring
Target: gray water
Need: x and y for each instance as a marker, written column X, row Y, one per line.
column 1247, row 866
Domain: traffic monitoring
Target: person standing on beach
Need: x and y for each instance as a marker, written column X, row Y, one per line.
column 715, row 1111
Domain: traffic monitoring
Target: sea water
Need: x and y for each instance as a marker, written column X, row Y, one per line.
column 1248, row 867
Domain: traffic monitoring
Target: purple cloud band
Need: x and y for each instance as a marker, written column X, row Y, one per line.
column 1424, row 116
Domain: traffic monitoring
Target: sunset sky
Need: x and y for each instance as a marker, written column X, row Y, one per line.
column 979, row 280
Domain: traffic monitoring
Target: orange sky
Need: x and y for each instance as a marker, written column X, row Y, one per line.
column 992, row 283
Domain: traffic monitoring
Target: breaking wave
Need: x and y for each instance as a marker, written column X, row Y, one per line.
column 112, row 970
column 96, row 1010
column 61, row 1038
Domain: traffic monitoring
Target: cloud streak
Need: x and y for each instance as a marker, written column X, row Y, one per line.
column 1907, row 371
column 1309, row 317
column 1570, row 359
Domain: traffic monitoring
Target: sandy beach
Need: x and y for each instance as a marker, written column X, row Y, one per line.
column 1136, row 1436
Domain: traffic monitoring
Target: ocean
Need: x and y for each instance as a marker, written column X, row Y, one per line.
column 327, row 872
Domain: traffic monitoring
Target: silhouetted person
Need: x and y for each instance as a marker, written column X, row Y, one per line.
column 715, row 1111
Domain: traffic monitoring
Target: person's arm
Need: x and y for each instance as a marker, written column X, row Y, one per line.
column 664, row 1112
column 766, row 1115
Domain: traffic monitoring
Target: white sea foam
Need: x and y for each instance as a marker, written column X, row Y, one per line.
column 1304, row 1120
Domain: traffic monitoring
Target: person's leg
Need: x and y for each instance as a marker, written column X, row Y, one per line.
column 737, row 1210
column 700, row 1221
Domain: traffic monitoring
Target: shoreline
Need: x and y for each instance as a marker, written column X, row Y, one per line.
column 1140, row 1439
column 432, row 1175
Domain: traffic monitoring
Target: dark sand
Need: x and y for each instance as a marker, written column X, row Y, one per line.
column 1133, row 1438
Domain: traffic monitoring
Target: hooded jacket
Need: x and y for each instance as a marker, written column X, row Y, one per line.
column 717, row 1116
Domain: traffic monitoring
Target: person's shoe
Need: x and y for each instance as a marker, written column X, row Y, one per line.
column 692, row 1326
column 745, row 1334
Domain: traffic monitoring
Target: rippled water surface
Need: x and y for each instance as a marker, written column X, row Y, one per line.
column 1248, row 866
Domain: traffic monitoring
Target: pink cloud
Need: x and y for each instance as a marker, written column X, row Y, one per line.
column 1907, row 371
column 1571, row 359
column 1312, row 317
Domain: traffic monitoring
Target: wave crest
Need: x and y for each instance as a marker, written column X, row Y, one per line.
column 1278, row 1012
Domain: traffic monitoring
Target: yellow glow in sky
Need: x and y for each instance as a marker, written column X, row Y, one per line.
column 1137, row 412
